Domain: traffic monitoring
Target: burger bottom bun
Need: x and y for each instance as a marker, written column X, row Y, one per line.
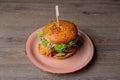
column 67, row 55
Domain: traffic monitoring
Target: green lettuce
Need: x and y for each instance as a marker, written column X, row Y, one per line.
column 69, row 44
column 60, row 47
column 74, row 22
column 39, row 35
column 45, row 42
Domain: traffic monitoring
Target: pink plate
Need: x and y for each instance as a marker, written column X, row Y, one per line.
column 76, row 62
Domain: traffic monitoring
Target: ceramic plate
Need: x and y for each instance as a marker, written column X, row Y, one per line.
column 76, row 62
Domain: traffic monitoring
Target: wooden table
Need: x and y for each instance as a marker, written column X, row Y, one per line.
column 100, row 19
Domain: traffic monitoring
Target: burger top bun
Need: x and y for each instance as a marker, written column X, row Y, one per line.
column 65, row 32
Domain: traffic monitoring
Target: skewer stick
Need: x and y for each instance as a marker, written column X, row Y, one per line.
column 57, row 14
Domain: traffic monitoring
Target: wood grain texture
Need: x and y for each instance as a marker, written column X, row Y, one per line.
column 100, row 19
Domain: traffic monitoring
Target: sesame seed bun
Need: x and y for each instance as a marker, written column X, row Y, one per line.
column 65, row 32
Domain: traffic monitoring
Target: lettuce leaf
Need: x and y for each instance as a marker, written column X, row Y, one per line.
column 59, row 47
column 74, row 22
column 69, row 44
column 39, row 35
column 45, row 42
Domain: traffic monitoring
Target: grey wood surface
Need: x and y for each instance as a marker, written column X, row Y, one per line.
column 100, row 19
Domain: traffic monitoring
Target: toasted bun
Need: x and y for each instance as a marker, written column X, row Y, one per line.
column 65, row 32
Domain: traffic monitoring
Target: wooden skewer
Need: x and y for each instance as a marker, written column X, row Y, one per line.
column 57, row 14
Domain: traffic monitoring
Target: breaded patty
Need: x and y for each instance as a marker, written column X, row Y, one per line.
column 45, row 50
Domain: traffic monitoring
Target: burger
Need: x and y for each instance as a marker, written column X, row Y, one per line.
column 59, row 42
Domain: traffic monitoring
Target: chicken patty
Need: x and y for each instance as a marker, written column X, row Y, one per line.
column 45, row 50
